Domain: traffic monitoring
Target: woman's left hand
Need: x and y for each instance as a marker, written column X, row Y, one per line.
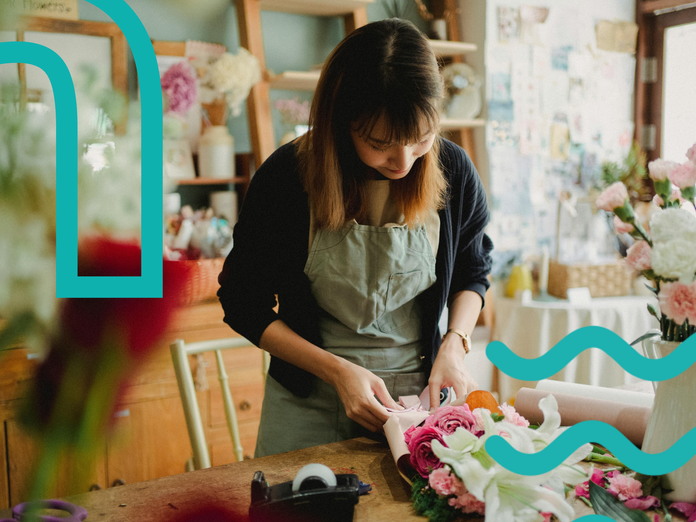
column 449, row 370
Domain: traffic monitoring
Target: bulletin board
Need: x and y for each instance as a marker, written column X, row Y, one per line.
column 559, row 91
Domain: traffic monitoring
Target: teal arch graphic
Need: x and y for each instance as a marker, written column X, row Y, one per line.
column 68, row 283
column 581, row 339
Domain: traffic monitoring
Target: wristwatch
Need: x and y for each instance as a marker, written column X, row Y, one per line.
column 466, row 340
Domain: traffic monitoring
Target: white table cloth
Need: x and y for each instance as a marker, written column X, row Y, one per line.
column 531, row 328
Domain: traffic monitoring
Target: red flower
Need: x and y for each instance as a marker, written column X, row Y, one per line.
column 137, row 322
column 422, row 457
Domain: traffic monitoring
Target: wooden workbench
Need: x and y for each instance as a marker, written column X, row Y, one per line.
column 229, row 485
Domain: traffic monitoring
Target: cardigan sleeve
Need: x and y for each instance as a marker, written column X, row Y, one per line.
column 248, row 281
column 472, row 262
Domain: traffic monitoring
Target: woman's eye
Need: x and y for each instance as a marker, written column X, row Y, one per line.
column 377, row 149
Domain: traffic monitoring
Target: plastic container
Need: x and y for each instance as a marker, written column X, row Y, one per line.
column 216, row 153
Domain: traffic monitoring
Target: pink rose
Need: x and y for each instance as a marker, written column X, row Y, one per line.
column 684, row 175
column 625, row 487
column 423, row 459
column 613, row 197
column 660, row 169
column 643, row 503
column 513, row 417
column 638, row 256
column 691, row 153
column 443, row 482
column 621, row 227
column 409, row 433
column 678, row 301
column 449, row 418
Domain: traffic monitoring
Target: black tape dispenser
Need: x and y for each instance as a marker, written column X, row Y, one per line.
column 316, row 495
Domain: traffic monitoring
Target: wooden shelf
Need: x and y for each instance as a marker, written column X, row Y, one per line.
column 314, row 7
column 448, row 124
column 447, row 48
column 295, row 80
column 210, row 181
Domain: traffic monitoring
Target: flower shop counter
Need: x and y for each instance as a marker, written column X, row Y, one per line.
column 228, row 487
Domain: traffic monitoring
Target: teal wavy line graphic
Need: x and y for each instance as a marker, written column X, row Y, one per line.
column 587, row 337
column 596, row 431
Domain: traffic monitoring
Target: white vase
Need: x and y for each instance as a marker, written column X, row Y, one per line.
column 673, row 415
column 216, row 153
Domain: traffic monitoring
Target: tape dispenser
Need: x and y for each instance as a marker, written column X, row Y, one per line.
column 316, row 495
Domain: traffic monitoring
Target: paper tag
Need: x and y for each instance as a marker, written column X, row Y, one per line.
column 580, row 295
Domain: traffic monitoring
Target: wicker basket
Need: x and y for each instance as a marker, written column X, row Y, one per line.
column 202, row 283
column 602, row 280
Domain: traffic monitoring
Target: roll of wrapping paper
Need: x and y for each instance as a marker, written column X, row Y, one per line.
column 630, row 419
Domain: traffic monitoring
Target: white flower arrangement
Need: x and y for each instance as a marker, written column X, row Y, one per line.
column 231, row 76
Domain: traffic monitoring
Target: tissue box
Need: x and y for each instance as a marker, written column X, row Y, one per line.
column 605, row 280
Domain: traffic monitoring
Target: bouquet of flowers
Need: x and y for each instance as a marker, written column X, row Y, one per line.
column 180, row 86
column 454, row 475
column 666, row 255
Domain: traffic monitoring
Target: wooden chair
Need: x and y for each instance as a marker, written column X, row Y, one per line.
column 182, row 368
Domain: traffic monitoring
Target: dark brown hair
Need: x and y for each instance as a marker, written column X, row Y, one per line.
column 383, row 70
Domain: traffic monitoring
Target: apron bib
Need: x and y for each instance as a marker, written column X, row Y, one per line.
column 365, row 280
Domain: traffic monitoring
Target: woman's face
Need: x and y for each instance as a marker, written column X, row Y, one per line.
column 391, row 160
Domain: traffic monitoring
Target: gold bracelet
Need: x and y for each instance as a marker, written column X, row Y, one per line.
column 466, row 341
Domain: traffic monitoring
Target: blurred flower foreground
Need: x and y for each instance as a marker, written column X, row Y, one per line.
column 87, row 347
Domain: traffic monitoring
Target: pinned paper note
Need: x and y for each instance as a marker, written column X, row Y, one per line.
column 618, row 36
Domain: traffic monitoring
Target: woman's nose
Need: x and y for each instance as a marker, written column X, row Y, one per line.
column 400, row 157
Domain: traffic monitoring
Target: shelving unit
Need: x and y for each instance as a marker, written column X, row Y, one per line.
column 451, row 124
column 449, row 48
column 211, row 181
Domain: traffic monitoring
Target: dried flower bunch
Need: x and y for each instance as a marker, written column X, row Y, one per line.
column 667, row 254
column 230, row 76
column 293, row 111
column 180, row 85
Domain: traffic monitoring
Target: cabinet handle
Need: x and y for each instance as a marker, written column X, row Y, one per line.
column 118, row 482
column 95, row 487
column 245, row 405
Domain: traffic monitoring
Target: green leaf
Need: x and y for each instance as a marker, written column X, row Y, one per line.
column 597, row 449
column 645, row 336
column 606, row 504
column 651, row 484
column 497, row 417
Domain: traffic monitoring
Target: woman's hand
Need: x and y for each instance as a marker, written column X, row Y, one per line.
column 449, row 370
column 357, row 388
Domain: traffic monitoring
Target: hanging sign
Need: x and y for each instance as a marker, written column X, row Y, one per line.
column 61, row 9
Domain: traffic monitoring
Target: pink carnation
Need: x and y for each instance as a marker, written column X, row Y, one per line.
column 467, row 502
column 621, row 227
column 625, row 487
column 179, row 84
column 423, row 459
column 659, row 169
column 448, row 418
column 639, row 255
column 676, row 196
column 684, row 175
column 513, row 417
column 678, row 301
column 613, row 197
column 691, row 153
column 443, row 482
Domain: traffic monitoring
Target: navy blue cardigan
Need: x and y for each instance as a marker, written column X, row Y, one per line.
column 270, row 252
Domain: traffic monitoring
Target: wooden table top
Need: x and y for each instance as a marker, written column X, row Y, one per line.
column 229, row 486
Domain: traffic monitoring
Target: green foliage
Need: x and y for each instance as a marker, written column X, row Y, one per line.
column 429, row 504
column 604, row 503
column 631, row 173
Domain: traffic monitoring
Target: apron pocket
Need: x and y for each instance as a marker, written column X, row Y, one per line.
column 401, row 294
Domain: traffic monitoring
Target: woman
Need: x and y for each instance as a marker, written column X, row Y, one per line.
column 364, row 228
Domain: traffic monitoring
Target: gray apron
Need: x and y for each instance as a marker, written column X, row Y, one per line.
column 366, row 280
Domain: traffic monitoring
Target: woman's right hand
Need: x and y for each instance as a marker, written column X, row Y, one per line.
column 357, row 388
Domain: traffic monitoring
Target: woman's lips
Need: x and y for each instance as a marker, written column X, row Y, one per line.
column 397, row 171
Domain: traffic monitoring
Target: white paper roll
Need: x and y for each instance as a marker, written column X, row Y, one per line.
column 597, row 392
